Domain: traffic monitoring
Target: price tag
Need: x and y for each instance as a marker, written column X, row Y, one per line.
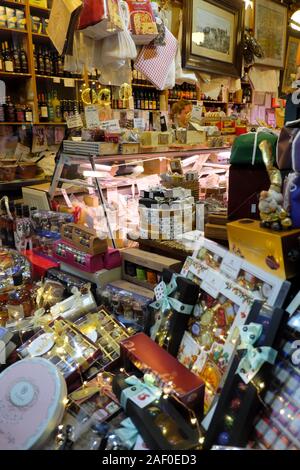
column 74, row 121
column 56, row 80
column 143, row 398
column 231, row 265
column 92, row 116
column 112, row 125
column 196, row 113
column 69, row 82
column 66, row 198
column 139, row 123
column 213, row 283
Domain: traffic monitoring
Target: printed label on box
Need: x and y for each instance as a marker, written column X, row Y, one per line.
column 213, row 283
column 231, row 265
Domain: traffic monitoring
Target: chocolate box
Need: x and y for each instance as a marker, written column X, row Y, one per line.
column 159, row 423
column 147, row 356
column 275, row 252
column 263, row 286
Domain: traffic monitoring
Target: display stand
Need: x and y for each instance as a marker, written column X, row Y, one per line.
column 65, row 159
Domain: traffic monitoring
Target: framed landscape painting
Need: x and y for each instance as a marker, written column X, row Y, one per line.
column 212, row 36
column 290, row 69
column 270, row 31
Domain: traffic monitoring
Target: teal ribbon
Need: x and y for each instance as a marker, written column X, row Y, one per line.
column 128, row 433
column 164, row 303
column 167, row 303
column 254, row 358
column 136, row 386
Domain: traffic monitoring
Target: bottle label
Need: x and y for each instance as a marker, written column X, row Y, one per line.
column 9, row 66
column 44, row 111
column 28, row 116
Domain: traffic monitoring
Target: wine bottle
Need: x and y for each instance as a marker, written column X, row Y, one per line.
column 10, row 111
column 44, row 116
column 60, row 66
column 28, row 113
column 47, row 64
column 41, row 64
column 16, row 59
column 23, row 60
column 50, row 108
column 20, row 117
column 8, row 60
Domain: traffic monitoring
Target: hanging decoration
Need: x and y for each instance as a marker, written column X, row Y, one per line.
column 251, row 49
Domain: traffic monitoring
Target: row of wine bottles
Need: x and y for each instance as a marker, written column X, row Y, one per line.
column 13, row 58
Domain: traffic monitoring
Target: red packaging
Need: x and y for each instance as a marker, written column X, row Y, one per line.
column 142, row 19
column 147, row 356
column 100, row 18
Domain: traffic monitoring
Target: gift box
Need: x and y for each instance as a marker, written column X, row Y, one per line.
column 142, row 21
column 145, row 355
column 241, row 397
column 223, row 308
column 157, row 420
column 263, row 286
column 275, row 252
column 65, row 346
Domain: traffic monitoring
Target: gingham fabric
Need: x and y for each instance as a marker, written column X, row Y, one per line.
column 155, row 61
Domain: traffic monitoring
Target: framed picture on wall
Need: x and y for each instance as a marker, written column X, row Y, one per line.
column 270, row 30
column 290, row 69
column 212, row 36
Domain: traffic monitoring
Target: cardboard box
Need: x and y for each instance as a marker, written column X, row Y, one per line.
column 149, row 138
column 147, row 356
column 263, row 286
column 147, row 423
column 267, row 249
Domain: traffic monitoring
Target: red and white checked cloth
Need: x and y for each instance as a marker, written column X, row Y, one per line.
column 155, row 61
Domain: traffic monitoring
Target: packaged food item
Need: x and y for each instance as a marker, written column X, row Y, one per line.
column 3, row 23
column 11, row 18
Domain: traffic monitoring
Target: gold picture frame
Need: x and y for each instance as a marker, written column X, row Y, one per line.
column 290, row 69
column 270, row 30
column 212, row 32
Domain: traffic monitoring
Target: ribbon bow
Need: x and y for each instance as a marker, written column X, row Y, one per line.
column 164, row 303
column 254, row 358
column 128, row 433
column 137, row 389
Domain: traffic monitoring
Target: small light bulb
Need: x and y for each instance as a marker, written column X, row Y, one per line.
column 261, row 385
column 193, row 420
column 201, row 440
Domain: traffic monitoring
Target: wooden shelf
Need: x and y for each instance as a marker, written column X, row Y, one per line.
column 173, row 100
column 137, row 85
column 15, row 75
column 214, row 102
column 16, row 123
column 50, row 124
column 36, row 9
column 52, row 77
column 12, row 3
column 11, row 185
column 13, row 30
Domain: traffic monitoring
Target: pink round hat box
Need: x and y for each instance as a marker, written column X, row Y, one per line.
column 32, row 403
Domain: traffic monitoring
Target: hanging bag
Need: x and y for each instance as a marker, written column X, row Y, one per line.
column 117, row 49
column 100, row 18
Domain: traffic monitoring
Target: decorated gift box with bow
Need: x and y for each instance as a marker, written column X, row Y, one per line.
column 243, row 391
